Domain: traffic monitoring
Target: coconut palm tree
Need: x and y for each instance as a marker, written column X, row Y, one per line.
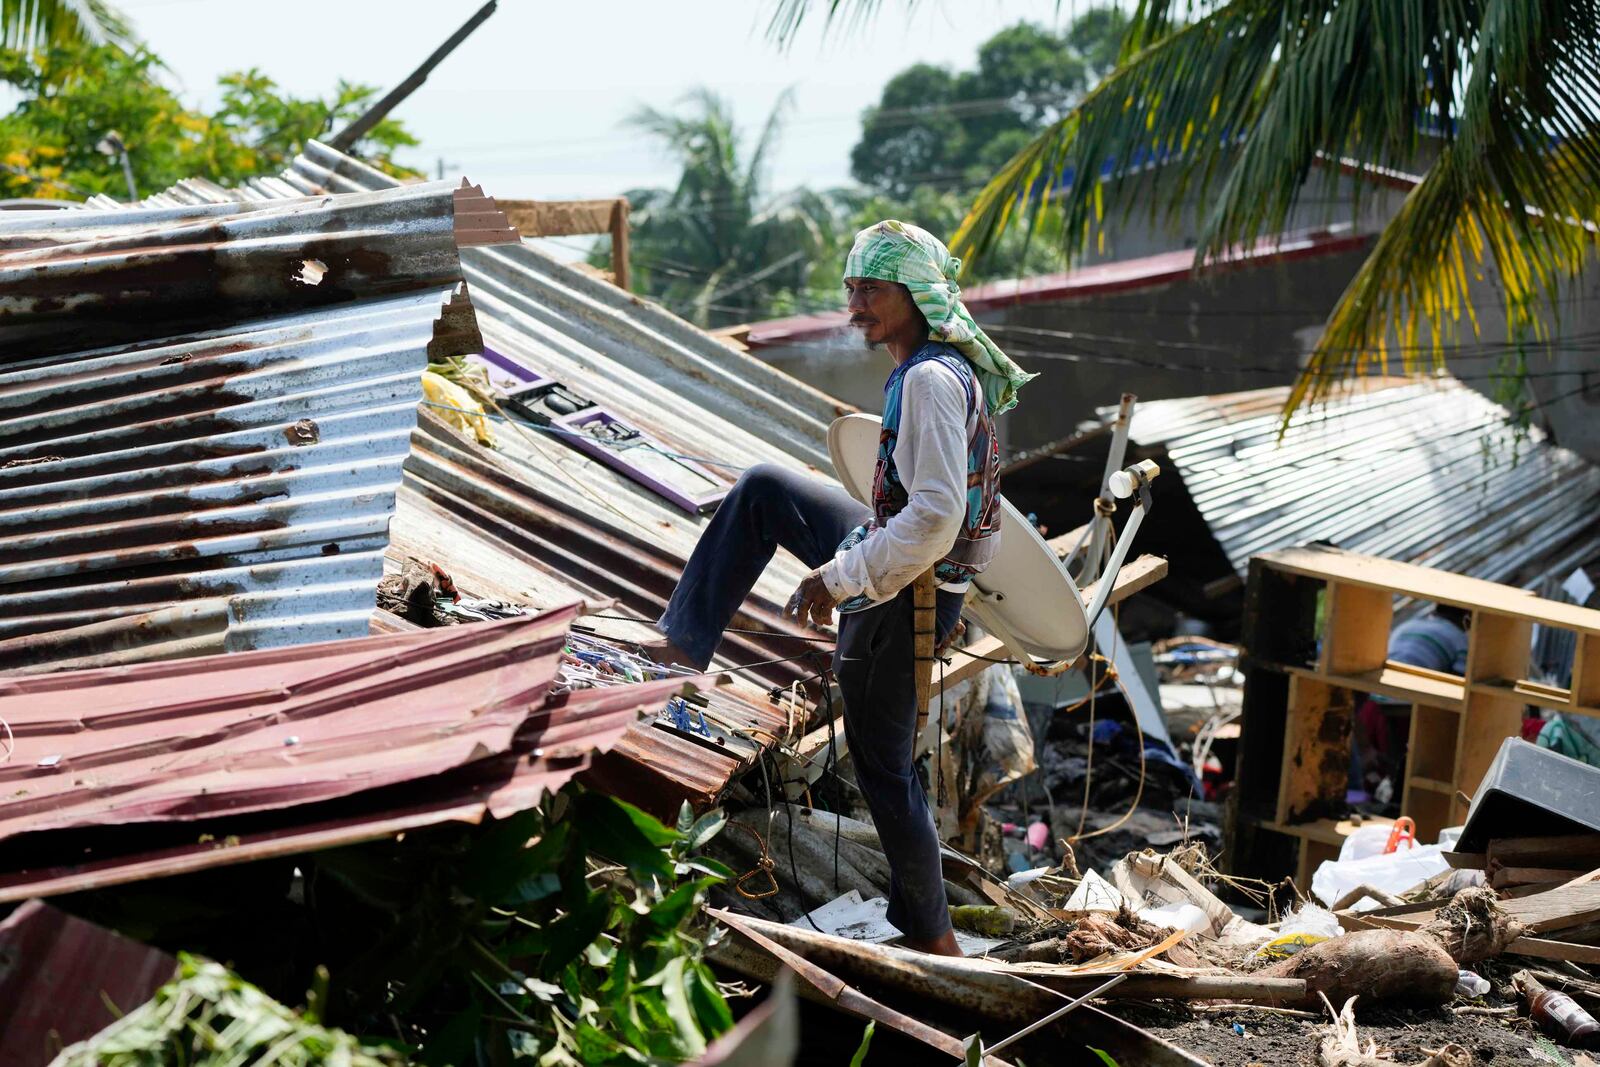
column 718, row 246
column 1253, row 106
column 27, row 24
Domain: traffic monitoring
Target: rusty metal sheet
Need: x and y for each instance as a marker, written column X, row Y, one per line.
column 212, row 399
column 651, row 367
column 76, row 279
column 198, row 628
column 557, row 740
column 1425, row 472
column 63, row 979
column 257, row 463
column 189, row 739
column 538, row 523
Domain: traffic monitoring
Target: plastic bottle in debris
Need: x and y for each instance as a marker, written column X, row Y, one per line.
column 1558, row 1014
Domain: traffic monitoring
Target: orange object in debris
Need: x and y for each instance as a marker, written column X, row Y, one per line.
column 1403, row 830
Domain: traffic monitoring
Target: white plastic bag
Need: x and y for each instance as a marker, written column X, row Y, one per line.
column 1310, row 919
column 1366, row 841
column 1392, row 873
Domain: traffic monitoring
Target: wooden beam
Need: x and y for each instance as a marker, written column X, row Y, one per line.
column 1544, row 949
column 562, row 218
column 619, row 244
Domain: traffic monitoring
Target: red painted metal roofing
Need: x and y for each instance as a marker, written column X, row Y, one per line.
column 63, row 979
column 558, row 738
column 255, row 730
column 1099, row 280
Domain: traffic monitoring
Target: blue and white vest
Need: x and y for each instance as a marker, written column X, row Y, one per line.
column 978, row 539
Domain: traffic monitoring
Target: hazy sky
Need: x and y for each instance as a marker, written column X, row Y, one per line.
column 532, row 104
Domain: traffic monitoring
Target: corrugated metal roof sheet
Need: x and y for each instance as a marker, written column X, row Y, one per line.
column 256, row 463
column 1426, row 472
column 239, row 432
column 194, row 738
column 63, row 979
column 541, row 523
column 286, row 750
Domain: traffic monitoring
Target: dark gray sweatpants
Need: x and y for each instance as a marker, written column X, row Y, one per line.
column 874, row 661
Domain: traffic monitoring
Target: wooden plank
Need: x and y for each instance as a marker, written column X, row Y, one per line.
column 1529, row 875
column 1391, row 681
column 1134, row 577
column 1500, row 647
column 1485, row 724
column 1543, row 949
column 1061, row 544
column 1586, row 671
column 1328, row 831
column 1358, row 622
column 1557, row 909
column 1574, row 851
column 1316, row 750
column 619, row 244
column 560, row 218
column 1427, row 583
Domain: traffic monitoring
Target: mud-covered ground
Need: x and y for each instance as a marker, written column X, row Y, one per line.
column 1285, row 1041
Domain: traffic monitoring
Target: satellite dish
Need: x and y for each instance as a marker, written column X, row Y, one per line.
column 1025, row 597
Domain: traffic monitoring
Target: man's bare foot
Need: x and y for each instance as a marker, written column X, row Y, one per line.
column 662, row 650
column 943, row 945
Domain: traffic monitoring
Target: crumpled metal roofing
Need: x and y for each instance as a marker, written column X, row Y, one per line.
column 239, row 431
column 540, row 523
column 696, row 394
column 283, row 751
column 256, row 730
column 257, row 463
column 1427, row 472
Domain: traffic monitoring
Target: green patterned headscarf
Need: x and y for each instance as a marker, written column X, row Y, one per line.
column 894, row 251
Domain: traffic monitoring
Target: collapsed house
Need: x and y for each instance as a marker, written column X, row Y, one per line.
column 255, row 428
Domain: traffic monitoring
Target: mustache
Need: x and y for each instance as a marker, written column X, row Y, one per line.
column 858, row 320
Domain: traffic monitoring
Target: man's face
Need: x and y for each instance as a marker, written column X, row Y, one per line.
column 881, row 310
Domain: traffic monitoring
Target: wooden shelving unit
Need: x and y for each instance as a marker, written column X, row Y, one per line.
column 1316, row 637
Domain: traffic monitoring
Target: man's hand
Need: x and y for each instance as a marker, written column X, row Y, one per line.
column 811, row 604
column 957, row 632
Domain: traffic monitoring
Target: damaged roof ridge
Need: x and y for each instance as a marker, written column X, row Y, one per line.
column 294, row 326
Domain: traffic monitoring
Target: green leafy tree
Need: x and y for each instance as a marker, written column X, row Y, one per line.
column 718, row 246
column 570, row 934
column 1253, row 107
column 934, row 126
column 73, row 94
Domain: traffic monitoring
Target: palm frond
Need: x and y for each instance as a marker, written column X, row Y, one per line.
column 1241, row 108
column 29, row 24
column 789, row 15
column 1517, row 191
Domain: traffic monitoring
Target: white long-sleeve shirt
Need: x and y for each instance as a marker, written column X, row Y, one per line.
column 930, row 454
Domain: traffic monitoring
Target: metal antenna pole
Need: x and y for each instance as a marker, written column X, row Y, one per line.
column 1058, row 1013
column 377, row 112
column 1100, row 525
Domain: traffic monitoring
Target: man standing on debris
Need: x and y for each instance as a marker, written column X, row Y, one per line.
column 933, row 505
